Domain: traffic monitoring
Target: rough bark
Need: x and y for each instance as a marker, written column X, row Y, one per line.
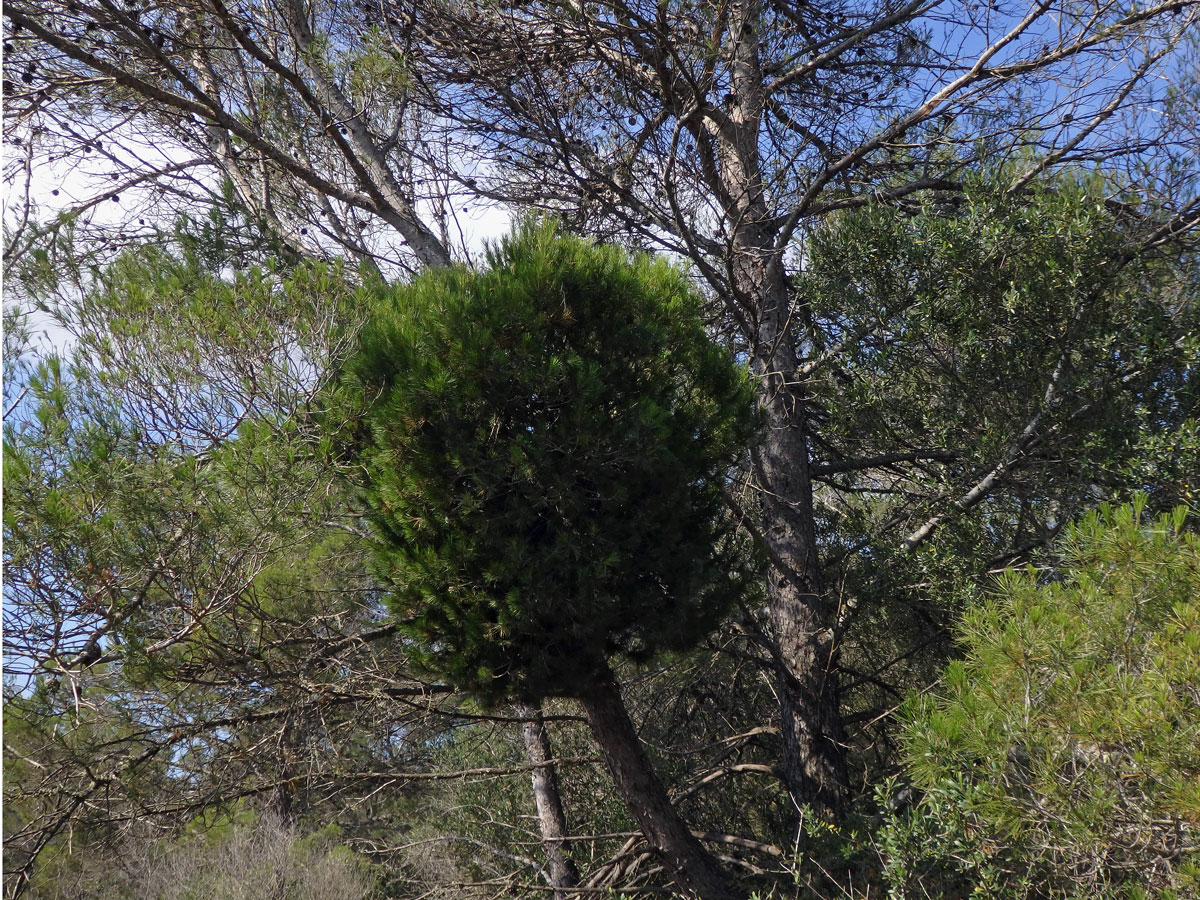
column 552, row 820
column 695, row 872
column 802, row 620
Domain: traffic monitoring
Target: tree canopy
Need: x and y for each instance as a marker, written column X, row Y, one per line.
column 548, row 442
column 546, row 450
column 952, row 243
column 725, row 133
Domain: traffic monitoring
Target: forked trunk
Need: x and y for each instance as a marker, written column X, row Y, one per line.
column 695, row 871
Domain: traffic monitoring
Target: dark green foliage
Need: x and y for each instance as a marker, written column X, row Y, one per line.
column 1026, row 329
column 544, row 465
column 1061, row 757
column 1030, row 356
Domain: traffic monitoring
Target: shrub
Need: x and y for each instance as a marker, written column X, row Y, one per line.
column 1061, row 756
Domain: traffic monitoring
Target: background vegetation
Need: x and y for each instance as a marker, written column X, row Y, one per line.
column 907, row 390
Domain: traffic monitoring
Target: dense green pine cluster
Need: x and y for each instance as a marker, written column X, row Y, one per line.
column 547, row 445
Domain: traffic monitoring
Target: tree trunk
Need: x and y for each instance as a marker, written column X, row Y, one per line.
column 551, row 819
column 695, row 872
column 802, row 619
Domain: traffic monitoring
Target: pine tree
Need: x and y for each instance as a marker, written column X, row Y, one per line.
column 1060, row 756
column 545, row 451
